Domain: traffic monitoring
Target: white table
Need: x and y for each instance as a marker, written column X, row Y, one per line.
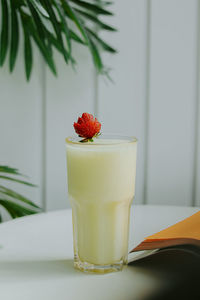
column 36, row 258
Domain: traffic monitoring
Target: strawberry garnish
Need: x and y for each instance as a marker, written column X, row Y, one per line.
column 87, row 127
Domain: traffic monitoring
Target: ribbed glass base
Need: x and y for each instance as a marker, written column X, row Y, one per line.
column 100, row 269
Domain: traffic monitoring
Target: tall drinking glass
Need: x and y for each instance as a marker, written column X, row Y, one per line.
column 101, row 187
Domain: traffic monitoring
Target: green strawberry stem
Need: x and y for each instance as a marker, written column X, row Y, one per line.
column 85, row 140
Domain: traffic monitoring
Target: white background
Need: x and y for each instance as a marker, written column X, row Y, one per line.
column 155, row 96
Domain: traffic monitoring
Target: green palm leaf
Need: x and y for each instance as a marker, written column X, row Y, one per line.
column 9, row 209
column 7, row 169
column 40, row 8
column 16, row 210
column 76, row 38
column 17, row 196
column 54, row 42
column 46, row 53
column 94, row 51
column 50, row 25
column 92, row 7
column 102, row 43
column 4, row 31
column 14, row 35
column 28, row 57
column 96, row 57
column 64, row 25
column 48, row 6
column 16, row 180
column 16, row 204
column 71, row 14
column 95, row 20
column 37, row 20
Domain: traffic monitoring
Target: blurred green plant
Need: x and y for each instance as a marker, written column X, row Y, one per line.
column 53, row 24
column 14, row 203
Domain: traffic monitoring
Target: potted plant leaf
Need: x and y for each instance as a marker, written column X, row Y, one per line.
column 14, row 203
column 53, row 24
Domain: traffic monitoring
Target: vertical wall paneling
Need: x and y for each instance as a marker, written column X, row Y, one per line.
column 96, row 94
column 196, row 199
column 66, row 98
column 20, row 123
column 43, row 136
column 147, row 104
column 172, row 98
column 122, row 104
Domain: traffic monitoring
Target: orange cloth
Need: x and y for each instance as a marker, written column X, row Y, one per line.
column 188, row 228
column 184, row 232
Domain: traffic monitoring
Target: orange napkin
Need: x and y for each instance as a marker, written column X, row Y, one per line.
column 184, row 232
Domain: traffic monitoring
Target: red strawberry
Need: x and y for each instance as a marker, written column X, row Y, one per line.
column 87, row 126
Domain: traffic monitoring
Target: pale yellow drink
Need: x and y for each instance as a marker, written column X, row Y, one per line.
column 101, row 186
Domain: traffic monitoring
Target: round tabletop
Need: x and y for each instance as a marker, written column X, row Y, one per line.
column 36, row 258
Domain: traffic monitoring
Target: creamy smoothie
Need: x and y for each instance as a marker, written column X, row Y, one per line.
column 101, row 185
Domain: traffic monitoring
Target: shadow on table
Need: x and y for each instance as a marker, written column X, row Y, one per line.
column 178, row 269
column 25, row 270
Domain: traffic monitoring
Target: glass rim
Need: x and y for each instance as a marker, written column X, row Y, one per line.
column 74, row 140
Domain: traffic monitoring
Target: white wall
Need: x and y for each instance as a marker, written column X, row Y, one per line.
column 155, row 96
